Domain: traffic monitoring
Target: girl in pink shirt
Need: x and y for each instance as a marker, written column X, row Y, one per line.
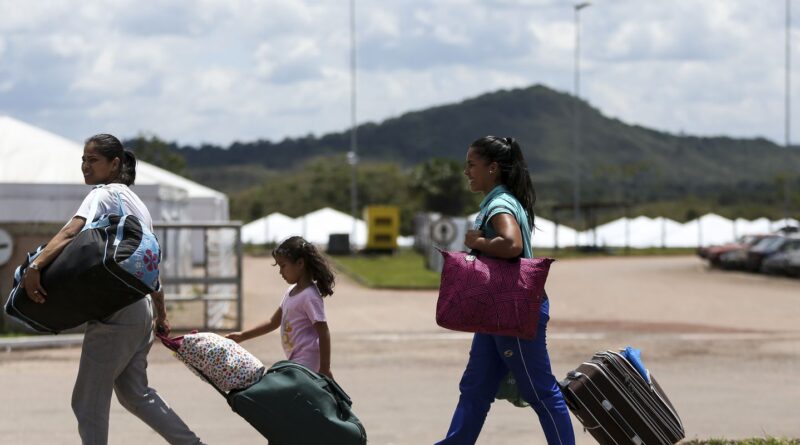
column 301, row 315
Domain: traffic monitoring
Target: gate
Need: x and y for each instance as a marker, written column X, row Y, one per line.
column 201, row 270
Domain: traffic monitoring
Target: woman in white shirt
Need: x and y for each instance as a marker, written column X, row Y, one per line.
column 114, row 354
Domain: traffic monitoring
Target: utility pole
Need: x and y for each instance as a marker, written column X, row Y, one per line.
column 788, row 114
column 788, row 104
column 352, row 155
column 576, row 149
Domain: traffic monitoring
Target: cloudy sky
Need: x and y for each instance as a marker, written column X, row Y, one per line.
column 224, row 70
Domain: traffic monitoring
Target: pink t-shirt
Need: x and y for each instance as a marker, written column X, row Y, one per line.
column 298, row 336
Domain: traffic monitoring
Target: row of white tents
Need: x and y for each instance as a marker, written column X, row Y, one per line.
column 639, row 232
column 316, row 227
column 644, row 232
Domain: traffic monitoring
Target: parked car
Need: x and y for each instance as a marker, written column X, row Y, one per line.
column 735, row 259
column 793, row 267
column 778, row 262
column 766, row 247
column 714, row 253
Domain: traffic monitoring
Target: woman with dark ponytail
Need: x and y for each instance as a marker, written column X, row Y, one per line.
column 496, row 167
column 114, row 354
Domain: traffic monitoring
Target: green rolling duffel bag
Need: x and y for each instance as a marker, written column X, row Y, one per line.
column 292, row 405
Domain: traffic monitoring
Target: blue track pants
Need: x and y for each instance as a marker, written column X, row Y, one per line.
column 490, row 359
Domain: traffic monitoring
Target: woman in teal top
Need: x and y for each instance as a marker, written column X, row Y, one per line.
column 502, row 229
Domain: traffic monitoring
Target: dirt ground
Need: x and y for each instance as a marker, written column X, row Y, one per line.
column 724, row 346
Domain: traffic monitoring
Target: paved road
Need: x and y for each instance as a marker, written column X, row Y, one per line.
column 725, row 347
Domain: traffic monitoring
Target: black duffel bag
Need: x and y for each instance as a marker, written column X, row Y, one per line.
column 110, row 264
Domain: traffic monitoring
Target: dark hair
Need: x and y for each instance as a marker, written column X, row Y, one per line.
column 513, row 168
column 296, row 248
column 110, row 147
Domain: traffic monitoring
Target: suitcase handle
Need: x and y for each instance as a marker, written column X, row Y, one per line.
column 342, row 399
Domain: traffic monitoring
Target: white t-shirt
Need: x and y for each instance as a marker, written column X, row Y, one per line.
column 108, row 203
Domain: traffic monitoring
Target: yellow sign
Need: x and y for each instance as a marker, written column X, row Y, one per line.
column 383, row 227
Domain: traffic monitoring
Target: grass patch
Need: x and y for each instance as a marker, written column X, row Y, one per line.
column 13, row 334
column 751, row 441
column 406, row 269
column 402, row 270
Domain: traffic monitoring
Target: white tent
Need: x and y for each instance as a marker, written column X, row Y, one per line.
column 661, row 229
column 786, row 222
column 707, row 230
column 272, row 228
column 640, row 232
column 546, row 234
column 42, row 170
column 617, row 233
column 317, row 226
column 756, row 227
column 41, row 182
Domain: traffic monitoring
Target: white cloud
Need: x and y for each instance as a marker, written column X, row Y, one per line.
column 224, row 70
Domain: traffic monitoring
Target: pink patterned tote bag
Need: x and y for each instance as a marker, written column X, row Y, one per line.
column 490, row 295
column 222, row 361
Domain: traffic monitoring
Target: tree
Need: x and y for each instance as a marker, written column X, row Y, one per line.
column 441, row 186
column 155, row 151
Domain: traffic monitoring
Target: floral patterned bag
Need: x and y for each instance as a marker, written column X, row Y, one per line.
column 220, row 361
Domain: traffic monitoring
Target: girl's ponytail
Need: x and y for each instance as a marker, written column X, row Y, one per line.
column 127, row 173
column 320, row 271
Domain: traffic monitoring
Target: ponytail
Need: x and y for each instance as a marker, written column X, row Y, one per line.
column 513, row 169
column 519, row 180
column 127, row 172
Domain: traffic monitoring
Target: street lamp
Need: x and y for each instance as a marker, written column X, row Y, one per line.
column 787, row 116
column 788, row 65
column 576, row 122
column 352, row 155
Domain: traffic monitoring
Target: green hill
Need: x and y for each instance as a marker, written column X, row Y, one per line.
column 618, row 161
column 541, row 119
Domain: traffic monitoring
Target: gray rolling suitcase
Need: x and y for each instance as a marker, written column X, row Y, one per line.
column 618, row 405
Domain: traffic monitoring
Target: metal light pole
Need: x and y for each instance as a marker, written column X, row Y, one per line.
column 352, row 155
column 788, row 114
column 576, row 123
column 788, row 69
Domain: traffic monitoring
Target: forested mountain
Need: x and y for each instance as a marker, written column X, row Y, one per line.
column 541, row 119
column 618, row 161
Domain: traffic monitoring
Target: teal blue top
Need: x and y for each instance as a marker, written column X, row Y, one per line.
column 501, row 200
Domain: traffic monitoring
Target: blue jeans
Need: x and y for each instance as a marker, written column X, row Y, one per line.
column 490, row 359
